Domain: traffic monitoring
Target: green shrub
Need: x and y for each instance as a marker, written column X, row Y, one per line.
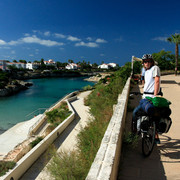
column 88, row 87
column 5, row 166
column 36, row 141
column 66, row 165
column 56, row 116
column 130, row 140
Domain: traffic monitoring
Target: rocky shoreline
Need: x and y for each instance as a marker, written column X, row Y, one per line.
column 19, row 85
column 97, row 77
column 43, row 74
column 14, row 88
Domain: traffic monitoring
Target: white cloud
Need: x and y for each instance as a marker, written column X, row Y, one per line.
column 101, row 40
column 34, row 31
column 13, row 52
column 89, row 38
column 26, row 34
column 90, row 44
column 5, row 47
column 14, row 42
column 71, row 38
column 47, row 33
column 2, row 42
column 160, row 39
column 32, row 39
column 102, row 55
column 58, row 35
column 35, row 39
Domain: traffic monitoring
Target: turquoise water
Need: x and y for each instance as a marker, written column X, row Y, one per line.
column 42, row 94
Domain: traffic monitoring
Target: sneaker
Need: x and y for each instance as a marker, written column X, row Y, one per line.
column 157, row 141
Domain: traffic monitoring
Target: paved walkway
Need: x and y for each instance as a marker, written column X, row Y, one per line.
column 66, row 141
column 164, row 162
column 15, row 135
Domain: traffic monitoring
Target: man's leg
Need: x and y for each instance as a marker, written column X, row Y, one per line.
column 135, row 117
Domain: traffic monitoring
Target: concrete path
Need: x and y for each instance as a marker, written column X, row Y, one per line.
column 66, row 141
column 164, row 162
column 15, row 135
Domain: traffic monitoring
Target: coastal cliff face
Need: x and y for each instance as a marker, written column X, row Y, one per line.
column 43, row 74
column 19, row 76
column 14, row 88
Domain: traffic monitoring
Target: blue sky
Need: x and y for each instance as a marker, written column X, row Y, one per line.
column 90, row 30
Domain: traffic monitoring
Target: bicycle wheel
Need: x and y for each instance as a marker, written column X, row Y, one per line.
column 148, row 140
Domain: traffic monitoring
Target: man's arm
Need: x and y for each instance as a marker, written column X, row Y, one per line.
column 156, row 85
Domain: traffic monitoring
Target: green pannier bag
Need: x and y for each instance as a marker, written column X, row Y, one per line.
column 159, row 101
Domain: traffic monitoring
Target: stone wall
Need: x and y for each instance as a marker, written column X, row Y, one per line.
column 106, row 162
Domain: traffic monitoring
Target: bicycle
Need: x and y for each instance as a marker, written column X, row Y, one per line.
column 149, row 125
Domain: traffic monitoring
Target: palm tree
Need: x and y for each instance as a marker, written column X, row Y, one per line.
column 176, row 40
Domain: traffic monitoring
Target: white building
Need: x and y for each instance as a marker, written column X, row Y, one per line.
column 104, row 66
column 107, row 66
column 3, row 65
column 50, row 62
column 17, row 65
column 71, row 66
column 29, row 66
column 113, row 65
column 32, row 66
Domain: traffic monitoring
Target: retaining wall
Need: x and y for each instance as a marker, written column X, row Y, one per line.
column 36, row 126
column 25, row 162
column 106, row 162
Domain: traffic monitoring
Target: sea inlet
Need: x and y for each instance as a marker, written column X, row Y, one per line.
column 44, row 93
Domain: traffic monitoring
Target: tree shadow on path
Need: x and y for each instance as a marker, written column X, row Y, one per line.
column 169, row 149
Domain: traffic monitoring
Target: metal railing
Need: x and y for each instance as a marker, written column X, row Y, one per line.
column 35, row 113
column 46, row 110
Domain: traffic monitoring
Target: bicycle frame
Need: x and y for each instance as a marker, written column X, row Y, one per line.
column 147, row 135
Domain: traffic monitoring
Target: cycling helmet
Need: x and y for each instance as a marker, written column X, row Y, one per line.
column 147, row 56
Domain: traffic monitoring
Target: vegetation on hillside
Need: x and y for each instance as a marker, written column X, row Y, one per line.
column 165, row 60
column 101, row 102
column 56, row 116
column 5, row 166
column 4, row 79
column 175, row 38
column 36, row 141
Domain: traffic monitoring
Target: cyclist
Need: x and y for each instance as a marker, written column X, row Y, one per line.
column 152, row 84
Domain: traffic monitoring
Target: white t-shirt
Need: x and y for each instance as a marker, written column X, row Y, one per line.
column 150, row 75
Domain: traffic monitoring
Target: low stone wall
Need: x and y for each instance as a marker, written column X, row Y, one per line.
column 106, row 162
column 36, row 126
column 25, row 162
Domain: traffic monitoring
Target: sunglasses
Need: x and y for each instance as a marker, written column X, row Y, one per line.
column 147, row 61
